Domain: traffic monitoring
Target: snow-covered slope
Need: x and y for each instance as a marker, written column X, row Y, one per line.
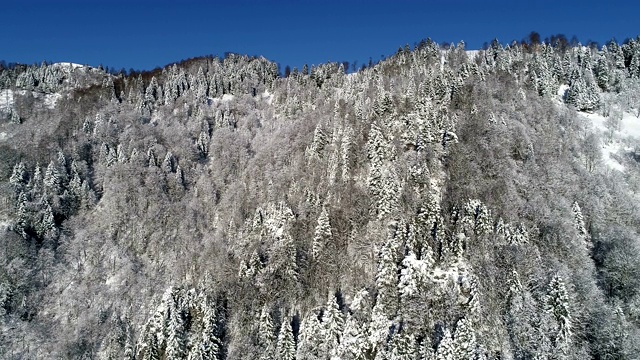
column 615, row 141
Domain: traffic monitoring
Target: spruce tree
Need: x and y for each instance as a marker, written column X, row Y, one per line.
column 446, row 349
column 557, row 304
column 286, row 347
column 464, row 342
column 310, row 340
column 333, row 325
column 18, row 176
column 322, row 235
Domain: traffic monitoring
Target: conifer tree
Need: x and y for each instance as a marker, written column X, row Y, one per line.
column 580, row 226
column 286, row 347
column 18, row 177
column 207, row 346
column 333, row 325
column 310, row 340
column 387, row 279
column 557, row 304
column 322, row 235
column 175, row 348
column 446, row 349
column 464, row 342
column 266, row 334
column 202, row 143
column 402, row 346
column 168, row 162
column 52, row 180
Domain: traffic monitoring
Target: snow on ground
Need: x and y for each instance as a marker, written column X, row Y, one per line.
column 616, row 142
column 224, row 98
column 50, row 100
column 471, row 54
column 6, row 100
column 269, row 96
column 68, row 64
column 562, row 90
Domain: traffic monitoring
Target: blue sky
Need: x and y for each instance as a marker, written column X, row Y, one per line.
column 143, row 34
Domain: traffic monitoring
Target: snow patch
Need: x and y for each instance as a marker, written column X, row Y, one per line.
column 562, row 90
column 68, row 65
column 50, row 100
column 630, row 125
column 3, row 136
column 224, row 98
column 267, row 96
column 471, row 54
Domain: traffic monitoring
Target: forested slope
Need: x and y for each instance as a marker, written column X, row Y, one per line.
column 441, row 204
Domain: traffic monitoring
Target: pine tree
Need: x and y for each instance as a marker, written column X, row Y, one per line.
column 52, row 179
column 286, row 347
column 18, row 177
column 23, row 216
column 168, row 162
column 318, row 143
column 333, row 325
column 601, row 73
column 36, row 182
column 387, row 279
column 557, row 304
column 122, row 154
column 446, row 349
column 151, row 156
column 464, row 342
column 310, row 340
column 402, row 346
column 202, row 143
column 322, row 235
column 208, row 345
column 175, row 331
column 47, row 225
column 580, row 226
column 379, row 327
column 354, row 344
column 266, row 334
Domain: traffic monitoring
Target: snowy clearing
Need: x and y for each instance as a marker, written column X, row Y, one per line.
column 613, row 142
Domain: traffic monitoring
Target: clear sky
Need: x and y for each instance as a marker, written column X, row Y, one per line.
column 143, row 34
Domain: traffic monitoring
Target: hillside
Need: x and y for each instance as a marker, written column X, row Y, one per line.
column 441, row 204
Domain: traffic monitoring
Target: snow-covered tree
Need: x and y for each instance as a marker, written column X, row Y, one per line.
column 266, row 334
column 18, row 176
column 580, row 226
column 311, row 338
column 322, row 234
column 332, row 326
column 464, row 342
column 286, row 347
column 168, row 162
column 557, row 303
column 402, row 347
column 446, row 350
column 52, row 179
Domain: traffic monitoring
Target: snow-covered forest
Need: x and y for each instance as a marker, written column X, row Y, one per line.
column 440, row 204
